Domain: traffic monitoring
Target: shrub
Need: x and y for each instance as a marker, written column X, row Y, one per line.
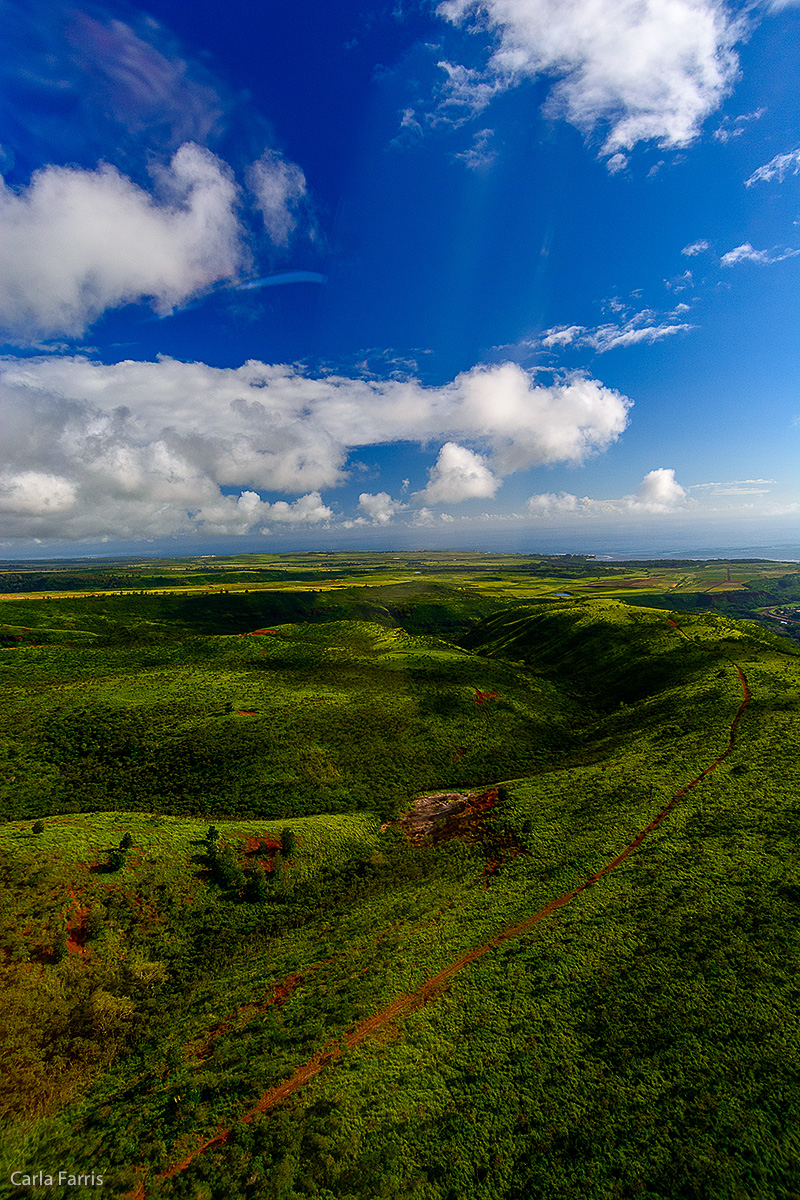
column 116, row 860
column 95, row 922
column 257, row 889
column 226, row 869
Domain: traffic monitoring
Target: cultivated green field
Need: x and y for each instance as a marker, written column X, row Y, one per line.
column 641, row 1041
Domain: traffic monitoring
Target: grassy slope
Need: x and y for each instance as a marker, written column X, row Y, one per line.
column 603, row 1055
column 640, row 1044
column 349, row 715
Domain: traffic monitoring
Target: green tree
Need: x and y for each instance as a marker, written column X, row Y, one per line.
column 95, row 922
column 126, row 842
column 60, row 946
column 109, row 1014
column 227, row 872
column 257, row 889
column 288, row 842
column 38, row 827
column 116, row 860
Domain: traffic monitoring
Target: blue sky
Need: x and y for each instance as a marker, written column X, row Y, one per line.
column 512, row 274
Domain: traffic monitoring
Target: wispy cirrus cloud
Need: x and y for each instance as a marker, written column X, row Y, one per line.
column 647, row 72
column 602, row 338
column 733, row 127
column 129, row 86
column 481, row 154
column 746, row 253
column 736, row 487
column 279, row 188
column 694, row 248
column 680, row 283
column 777, row 168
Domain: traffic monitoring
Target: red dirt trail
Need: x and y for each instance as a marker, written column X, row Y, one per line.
column 409, row 1001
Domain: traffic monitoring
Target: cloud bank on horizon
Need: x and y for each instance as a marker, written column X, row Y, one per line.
column 142, row 172
column 144, row 450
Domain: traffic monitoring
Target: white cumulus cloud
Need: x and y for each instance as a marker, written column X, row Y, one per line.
column 548, row 504
column 458, row 474
column 379, row 507
column 148, row 449
column 695, row 248
column 35, row 493
column 645, row 70
column 76, row 242
column 659, row 492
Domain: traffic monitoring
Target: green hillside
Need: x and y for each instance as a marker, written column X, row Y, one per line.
column 345, row 1015
column 332, row 717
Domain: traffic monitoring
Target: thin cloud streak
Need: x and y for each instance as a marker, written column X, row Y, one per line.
column 746, row 253
column 611, row 337
column 777, row 168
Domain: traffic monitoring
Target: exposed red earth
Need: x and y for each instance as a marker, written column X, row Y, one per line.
column 439, row 816
column 76, row 934
column 246, row 1013
column 262, row 850
column 433, row 986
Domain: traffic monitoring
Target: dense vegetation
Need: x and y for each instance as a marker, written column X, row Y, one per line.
column 207, row 885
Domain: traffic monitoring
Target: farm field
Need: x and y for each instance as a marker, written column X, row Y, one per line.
column 228, row 971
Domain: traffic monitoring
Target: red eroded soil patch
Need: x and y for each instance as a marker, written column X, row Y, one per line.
column 262, row 844
column 444, row 815
column 482, row 697
column 247, row 1012
column 76, row 932
column 262, row 850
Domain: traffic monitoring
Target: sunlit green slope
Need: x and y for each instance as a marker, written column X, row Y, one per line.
column 641, row 1041
column 305, row 718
